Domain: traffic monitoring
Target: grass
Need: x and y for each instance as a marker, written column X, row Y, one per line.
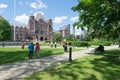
column 15, row 54
column 94, row 67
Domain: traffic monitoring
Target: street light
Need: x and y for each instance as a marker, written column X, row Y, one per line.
column 73, row 36
column 14, row 18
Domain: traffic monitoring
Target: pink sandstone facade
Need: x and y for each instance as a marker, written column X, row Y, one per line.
column 38, row 29
column 21, row 33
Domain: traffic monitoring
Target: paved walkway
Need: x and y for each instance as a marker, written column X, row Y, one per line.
column 17, row 70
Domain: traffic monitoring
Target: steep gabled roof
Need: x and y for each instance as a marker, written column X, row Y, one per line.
column 40, row 16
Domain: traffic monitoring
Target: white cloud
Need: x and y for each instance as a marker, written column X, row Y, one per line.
column 38, row 4
column 22, row 18
column 20, row 3
column 3, row 6
column 73, row 19
column 59, row 19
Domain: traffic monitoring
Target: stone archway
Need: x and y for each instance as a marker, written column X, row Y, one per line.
column 41, row 38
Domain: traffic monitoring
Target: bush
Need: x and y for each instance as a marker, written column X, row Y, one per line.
column 105, row 43
column 89, row 43
column 79, row 43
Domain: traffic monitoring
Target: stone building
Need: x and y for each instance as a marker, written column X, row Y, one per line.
column 38, row 29
column 21, row 33
column 65, row 30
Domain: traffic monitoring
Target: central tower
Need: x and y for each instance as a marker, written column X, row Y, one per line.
column 39, row 28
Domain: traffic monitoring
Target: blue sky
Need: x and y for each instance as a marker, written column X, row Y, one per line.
column 58, row 10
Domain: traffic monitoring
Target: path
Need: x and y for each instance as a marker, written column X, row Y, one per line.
column 17, row 70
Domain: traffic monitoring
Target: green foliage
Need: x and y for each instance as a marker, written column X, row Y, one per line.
column 5, row 30
column 47, row 41
column 70, row 37
column 57, row 37
column 105, row 43
column 79, row 43
column 101, row 17
column 89, row 43
column 99, row 42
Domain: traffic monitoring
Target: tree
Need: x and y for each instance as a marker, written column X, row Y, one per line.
column 5, row 30
column 57, row 37
column 70, row 37
column 101, row 17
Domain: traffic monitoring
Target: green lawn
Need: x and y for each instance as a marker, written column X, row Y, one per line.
column 94, row 67
column 9, row 55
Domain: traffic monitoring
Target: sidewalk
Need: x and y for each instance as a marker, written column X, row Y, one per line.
column 17, row 70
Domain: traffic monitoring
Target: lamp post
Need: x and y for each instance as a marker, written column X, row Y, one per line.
column 14, row 18
column 73, row 36
column 70, row 52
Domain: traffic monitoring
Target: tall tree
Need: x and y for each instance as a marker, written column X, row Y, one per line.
column 101, row 17
column 57, row 37
column 5, row 30
column 70, row 37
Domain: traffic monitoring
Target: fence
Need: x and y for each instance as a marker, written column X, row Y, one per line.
column 13, row 43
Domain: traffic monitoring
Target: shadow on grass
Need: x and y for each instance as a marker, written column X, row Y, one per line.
column 10, row 55
column 94, row 67
column 109, row 65
column 15, row 56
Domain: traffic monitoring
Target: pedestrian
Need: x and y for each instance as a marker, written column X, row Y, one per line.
column 51, row 44
column 99, row 49
column 23, row 45
column 119, row 45
column 65, row 47
column 3, row 45
column 31, row 50
column 55, row 44
column 37, row 50
column 63, row 44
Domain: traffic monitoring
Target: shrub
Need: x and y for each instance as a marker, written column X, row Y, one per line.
column 105, row 43
column 79, row 43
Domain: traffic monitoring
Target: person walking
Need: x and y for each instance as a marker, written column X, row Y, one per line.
column 3, row 44
column 119, row 45
column 51, row 44
column 55, row 44
column 37, row 50
column 65, row 47
column 31, row 50
column 23, row 45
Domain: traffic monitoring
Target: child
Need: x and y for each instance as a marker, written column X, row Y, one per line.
column 37, row 50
